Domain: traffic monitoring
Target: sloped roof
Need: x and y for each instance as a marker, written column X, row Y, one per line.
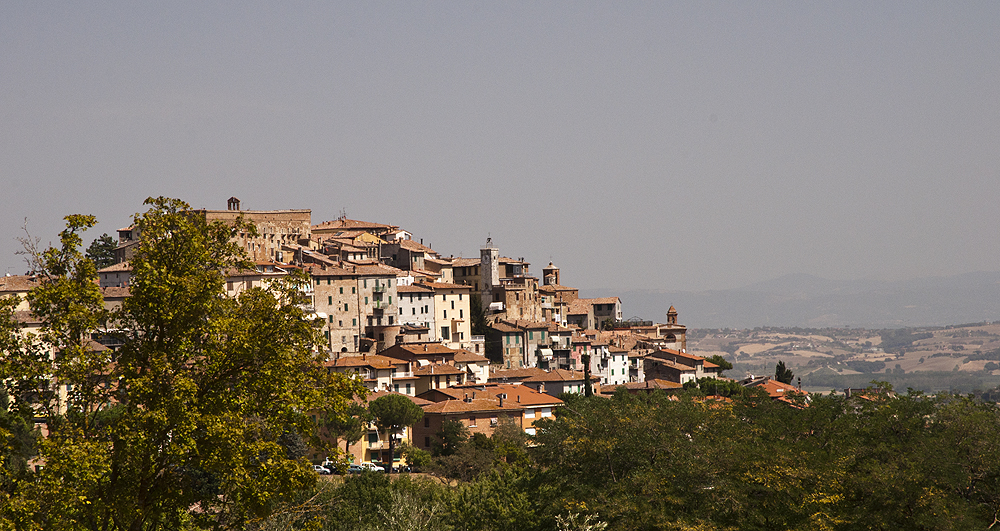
column 516, row 374
column 115, row 268
column 18, row 283
column 464, row 356
column 374, row 361
column 560, row 375
column 442, row 369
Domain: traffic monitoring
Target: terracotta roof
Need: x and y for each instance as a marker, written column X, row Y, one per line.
column 502, row 327
column 115, row 292
column 602, row 300
column 560, row 375
column 464, row 356
column 377, row 270
column 516, row 374
column 335, row 271
column 461, row 406
column 652, row 384
column 666, row 352
column 522, row 395
column 439, row 369
column 419, row 350
column 556, row 287
column 411, row 245
column 374, row 361
column 15, row 283
column 121, row 266
column 465, row 262
column 528, row 325
column 774, row 388
column 579, row 307
column 446, row 285
column 414, row 288
column 344, row 223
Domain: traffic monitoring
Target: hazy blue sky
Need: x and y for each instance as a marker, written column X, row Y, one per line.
column 680, row 146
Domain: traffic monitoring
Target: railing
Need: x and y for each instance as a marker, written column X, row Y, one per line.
column 380, row 289
column 379, row 305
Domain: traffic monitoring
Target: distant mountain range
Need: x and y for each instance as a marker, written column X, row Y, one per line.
column 809, row 301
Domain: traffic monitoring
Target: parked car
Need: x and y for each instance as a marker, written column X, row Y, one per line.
column 321, row 470
column 355, row 469
column 372, row 467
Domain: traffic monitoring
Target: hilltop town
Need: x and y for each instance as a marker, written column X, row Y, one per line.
column 200, row 379
column 466, row 338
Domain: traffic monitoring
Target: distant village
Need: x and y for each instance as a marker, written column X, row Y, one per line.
column 401, row 316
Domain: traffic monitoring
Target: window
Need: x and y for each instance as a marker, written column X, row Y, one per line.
column 472, row 422
column 445, row 314
column 427, row 442
column 390, row 319
column 414, row 311
column 354, row 322
column 395, row 387
column 407, row 388
column 452, row 305
column 459, row 296
column 366, row 282
column 445, row 333
column 341, row 290
column 529, row 413
column 331, row 319
column 390, row 299
column 531, row 335
column 345, row 307
column 461, row 314
column 353, row 289
column 366, row 300
column 329, row 300
column 427, row 421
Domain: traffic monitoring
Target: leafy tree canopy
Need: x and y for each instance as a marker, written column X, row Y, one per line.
column 102, row 251
column 200, row 406
column 783, row 374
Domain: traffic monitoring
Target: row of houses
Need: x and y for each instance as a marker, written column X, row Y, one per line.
column 399, row 315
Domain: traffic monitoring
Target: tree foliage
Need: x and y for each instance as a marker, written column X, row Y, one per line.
column 782, row 373
column 102, row 251
column 200, row 405
column 392, row 413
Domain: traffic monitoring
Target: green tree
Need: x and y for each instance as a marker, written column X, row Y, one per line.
column 783, row 374
column 102, row 251
column 194, row 410
column 392, row 413
column 452, row 436
column 348, row 426
column 723, row 363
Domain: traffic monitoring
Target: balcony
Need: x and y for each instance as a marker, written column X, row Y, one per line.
column 380, row 289
column 379, row 305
